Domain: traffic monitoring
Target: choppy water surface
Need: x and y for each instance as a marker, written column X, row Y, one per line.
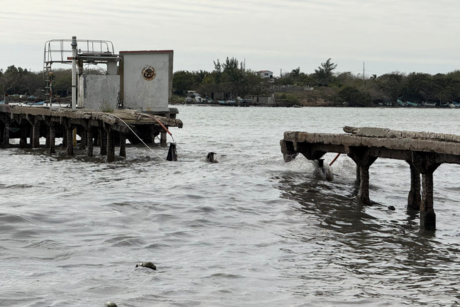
column 248, row 231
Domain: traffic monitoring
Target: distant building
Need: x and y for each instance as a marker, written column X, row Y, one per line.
column 266, row 74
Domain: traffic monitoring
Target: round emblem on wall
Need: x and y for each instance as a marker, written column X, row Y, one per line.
column 148, row 73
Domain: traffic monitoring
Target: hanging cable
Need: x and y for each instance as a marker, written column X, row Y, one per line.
column 137, row 136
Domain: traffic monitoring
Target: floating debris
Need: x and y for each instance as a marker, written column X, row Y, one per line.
column 149, row 265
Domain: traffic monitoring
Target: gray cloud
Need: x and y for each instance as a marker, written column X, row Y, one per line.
column 404, row 35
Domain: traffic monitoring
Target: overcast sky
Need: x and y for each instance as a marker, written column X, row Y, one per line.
column 388, row 35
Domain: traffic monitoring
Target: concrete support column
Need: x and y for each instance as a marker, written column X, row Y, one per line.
column 6, row 134
column 47, row 142
column 288, row 151
column 2, row 131
column 110, row 146
column 103, row 142
column 52, row 139
column 89, row 135
column 363, row 161
column 426, row 164
column 97, row 141
column 36, row 135
column 358, row 176
column 64, row 138
column 163, row 138
column 69, row 138
column 23, row 139
column 363, row 194
column 414, row 199
column 122, row 145
column 153, row 134
column 427, row 215
column 83, row 138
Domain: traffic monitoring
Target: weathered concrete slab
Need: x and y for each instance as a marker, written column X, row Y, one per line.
column 381, row 138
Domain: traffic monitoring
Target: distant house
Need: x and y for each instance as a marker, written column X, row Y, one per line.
column 266, row 74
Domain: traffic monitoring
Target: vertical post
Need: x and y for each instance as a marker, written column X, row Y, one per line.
column 414, row 198
column 103, row 141
column 2, row 131
column 36, row 134
column 152, row 134
column 358, row 176
column 363, row 161
column 110, row 146
column 64, row 138
column 52, row 137
column 47, row 142
column 6, row 133
column 69, row 132
column 23, row 140
column 363, row 194
column 97, row 138
column 122, row 145
column 89, row 135
column 426, row 164
column 163, row 138
column 74, row 74
column 83, row 137
column 427, row 215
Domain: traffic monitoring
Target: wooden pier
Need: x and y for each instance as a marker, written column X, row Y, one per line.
column 423, row 151
column 95, row 128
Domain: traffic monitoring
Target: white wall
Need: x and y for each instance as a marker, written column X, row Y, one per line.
column 140, row 93
column 98, row 92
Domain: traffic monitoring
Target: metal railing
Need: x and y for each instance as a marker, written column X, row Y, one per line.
column 58, row 50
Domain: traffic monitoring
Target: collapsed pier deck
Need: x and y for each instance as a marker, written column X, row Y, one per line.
column 423, row 151
column 95, row 128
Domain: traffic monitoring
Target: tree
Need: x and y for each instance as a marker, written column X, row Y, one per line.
column 183, row 81
column 324, row 72
column 10, row 79
column 354, row 97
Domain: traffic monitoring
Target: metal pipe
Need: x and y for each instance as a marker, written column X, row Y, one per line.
column 74, row 72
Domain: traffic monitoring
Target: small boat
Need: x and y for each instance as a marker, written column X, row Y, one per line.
column 411, row 104
column 38, row 103
column 401, row 103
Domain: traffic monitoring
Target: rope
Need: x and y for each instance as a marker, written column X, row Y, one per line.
column 161, row 124
column 330, row 164
column 138, row 136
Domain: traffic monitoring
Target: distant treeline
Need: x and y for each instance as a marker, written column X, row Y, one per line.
column 16, row 80
column 233, row 80
column 336, row 88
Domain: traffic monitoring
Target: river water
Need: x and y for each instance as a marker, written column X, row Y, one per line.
column 250, row 230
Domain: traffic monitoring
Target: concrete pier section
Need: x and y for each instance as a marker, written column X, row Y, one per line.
column 95, row 128
column 423, row 151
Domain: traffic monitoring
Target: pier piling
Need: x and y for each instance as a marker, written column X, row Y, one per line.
column 414, row 199
column 69, row 139
column 122, row 145
column 90, row 142
column 52, row 137
column 163, row 138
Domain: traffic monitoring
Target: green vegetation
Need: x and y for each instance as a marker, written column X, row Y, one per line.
column 286, row 99
column 230, row 79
